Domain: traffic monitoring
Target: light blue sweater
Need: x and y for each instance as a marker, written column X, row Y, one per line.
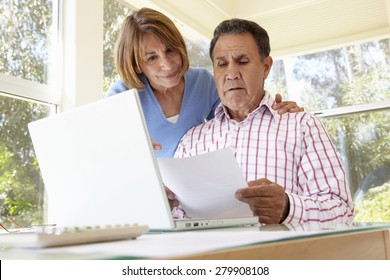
column 199, row 102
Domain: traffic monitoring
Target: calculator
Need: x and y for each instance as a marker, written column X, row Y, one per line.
column 62, row 236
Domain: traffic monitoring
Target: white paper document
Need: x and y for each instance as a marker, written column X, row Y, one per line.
column 206, row 184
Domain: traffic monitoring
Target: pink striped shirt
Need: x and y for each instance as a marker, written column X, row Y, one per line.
column 292, row 150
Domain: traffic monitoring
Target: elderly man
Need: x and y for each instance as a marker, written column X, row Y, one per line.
column 292, row 168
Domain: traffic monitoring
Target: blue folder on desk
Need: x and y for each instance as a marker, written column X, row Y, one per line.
column 99, row 168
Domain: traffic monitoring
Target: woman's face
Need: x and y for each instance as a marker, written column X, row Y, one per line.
column 161, row 65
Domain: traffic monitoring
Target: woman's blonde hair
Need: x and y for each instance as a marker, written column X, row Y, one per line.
column 130, row 49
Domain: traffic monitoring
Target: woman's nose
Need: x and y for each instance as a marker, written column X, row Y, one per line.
column 166, row 62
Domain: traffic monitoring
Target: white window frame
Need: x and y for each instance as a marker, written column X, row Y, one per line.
column 82, row 48
column 349, row 110
column 29, row 90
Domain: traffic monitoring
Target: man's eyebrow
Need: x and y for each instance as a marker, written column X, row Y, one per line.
column 238, row 57
column 220, row 58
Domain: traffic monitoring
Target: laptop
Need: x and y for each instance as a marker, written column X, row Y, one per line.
column 99, row 168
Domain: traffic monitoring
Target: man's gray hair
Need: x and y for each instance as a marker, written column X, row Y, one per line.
column 240, row 26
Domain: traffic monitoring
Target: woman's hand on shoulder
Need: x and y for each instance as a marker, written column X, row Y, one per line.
column 286, row 106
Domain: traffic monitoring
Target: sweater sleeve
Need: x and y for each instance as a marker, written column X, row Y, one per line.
column 116, row 88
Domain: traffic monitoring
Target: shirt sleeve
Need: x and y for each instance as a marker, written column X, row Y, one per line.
column 321, row 177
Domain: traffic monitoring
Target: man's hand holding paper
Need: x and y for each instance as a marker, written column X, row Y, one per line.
column 206, row 184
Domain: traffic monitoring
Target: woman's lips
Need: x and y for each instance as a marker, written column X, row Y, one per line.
column 171, row 76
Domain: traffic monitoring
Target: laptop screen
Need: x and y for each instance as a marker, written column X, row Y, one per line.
column 98, row 166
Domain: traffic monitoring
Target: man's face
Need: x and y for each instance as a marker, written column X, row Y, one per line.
column 239, row 73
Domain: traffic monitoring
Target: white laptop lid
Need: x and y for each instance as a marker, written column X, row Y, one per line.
column 99, row 168
column 92, row 160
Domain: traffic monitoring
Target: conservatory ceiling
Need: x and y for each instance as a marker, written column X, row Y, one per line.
column 294, row 26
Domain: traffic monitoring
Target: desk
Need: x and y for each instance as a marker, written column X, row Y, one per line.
column 305, row 241
column 365, row 245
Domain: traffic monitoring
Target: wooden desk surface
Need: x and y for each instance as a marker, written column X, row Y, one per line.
column 370, row 245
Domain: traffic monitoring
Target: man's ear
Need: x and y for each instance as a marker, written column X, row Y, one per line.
column 268, row 61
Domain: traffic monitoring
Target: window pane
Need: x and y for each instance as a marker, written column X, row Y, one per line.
column 354, row 75
column 25, row 32
column 27, row 28
column 21, row 186
column 114, row 15
column 363, row 141
column 198, row 53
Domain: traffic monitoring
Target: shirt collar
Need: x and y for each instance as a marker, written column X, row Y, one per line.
column 265, row 104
